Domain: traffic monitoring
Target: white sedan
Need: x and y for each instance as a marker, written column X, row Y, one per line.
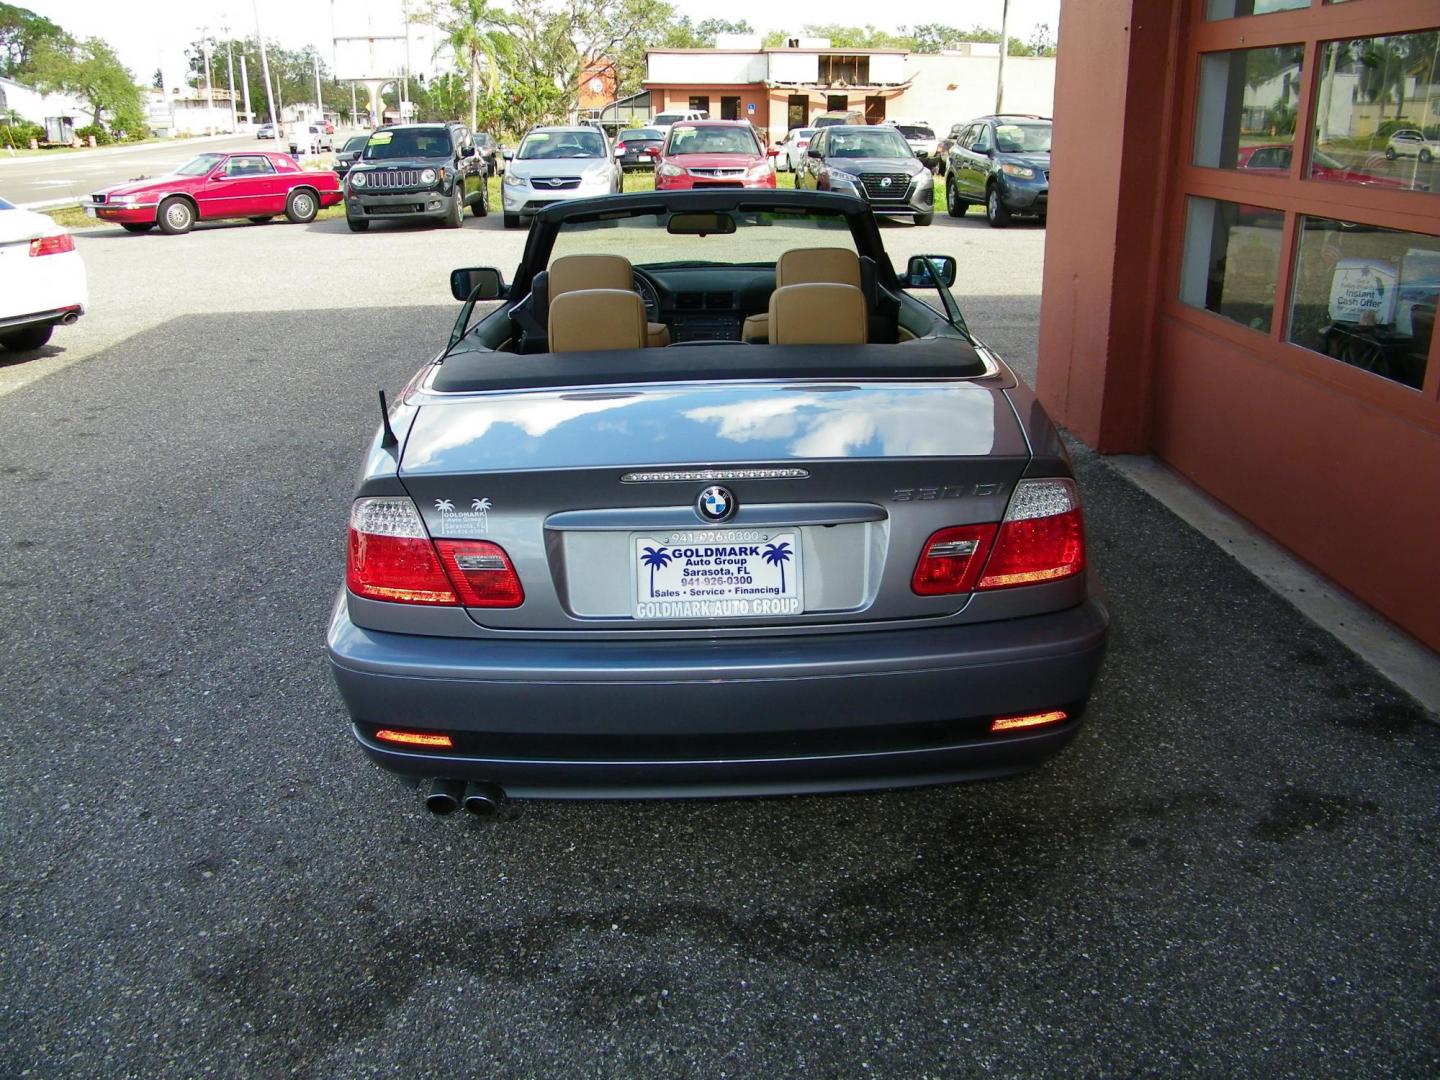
column 42, row 280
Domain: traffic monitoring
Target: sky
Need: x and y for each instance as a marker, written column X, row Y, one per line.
column 153, row 33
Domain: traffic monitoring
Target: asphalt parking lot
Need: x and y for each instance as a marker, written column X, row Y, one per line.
column 1233, row 870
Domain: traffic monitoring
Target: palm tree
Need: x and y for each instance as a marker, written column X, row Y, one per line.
column 444, row 505
column 778, row 555
column 655, row 558
column 482, row 507
column 477, row 34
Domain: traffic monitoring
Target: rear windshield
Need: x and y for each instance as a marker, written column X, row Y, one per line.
column 669, row 117
column 712, row 140
column 641, row 133
column 860, row 142
column 357, row 143
column 408, row 143
column 804, row 133
column 1022, row 138
column 539, row 145
column 914, row 131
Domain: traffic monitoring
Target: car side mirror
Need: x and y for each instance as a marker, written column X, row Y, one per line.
column 467, row 151
column 479, row 283
column 508, row 154
column 918, row 272
column 812, row 152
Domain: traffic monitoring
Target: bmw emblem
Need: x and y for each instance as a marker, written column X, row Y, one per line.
column 716, row 504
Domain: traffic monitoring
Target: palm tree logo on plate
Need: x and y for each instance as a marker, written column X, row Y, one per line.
column 778, row 555
column 445, row 506
column 655, row 558
column 481, row 507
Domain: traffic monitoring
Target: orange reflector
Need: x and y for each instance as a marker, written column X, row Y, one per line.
column 1011, row 723
column 414, row 738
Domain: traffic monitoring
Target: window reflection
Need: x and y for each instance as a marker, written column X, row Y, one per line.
column 1228, row 9
column 1231, row 255
column 1247, row 99
column 1376, row 119
column 1366, row 296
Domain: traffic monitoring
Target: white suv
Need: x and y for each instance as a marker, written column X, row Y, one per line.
column 1408, row 142
column 310, row 139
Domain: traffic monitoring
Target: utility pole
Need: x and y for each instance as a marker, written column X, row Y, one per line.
column 209, row 90
column 352, row 103
column 230, row 69
column 265, row 68
column 319, row 101
column 1004, row 48
column 245, row 87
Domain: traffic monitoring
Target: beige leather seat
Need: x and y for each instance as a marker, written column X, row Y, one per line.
column 806, row 266
column 594, row 320
column 571, row 272
column 820, row 313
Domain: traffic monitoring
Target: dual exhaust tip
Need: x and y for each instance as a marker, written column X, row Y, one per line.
column 478, row 797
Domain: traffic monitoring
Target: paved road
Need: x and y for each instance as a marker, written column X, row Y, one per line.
column 60, row 175
column 1232, row 871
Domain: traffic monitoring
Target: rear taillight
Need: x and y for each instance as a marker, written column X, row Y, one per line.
column 1041, row 539
column 52, row 245
column 392, row 558
column 951, row 560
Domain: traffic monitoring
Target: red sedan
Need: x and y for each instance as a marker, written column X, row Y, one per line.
column 253, row 185
column 1274, row 160
column 714, row 153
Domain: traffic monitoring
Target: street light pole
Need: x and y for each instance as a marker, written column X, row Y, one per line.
column 209, row 90
column 1004, row 48
column 230, row 69
column 265, row 68
column 319, row 101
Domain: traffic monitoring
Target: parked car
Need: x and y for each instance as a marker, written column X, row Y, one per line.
column 665, row 120
column 215, row 186
column 872, row 163
column 713, row 153
column 554, row 164
column 838, row 117
column 921, row 138
column 309, row 139
column 427, row 172
column 42, row 279
column 1274, row 160
column 487, row 147
column 265, row 131
column 348, row 154
column 942, row 147
column 579, row 566
column 791, row 153
column 1410, row 142
column 329, row 127
column 1003, row 164
column 637, row 148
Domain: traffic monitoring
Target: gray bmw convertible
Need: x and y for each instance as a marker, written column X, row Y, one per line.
column 713, row 502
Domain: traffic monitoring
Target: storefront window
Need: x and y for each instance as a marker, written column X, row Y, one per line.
column 1229, row 9
column 1366, row 296
column 1247, row 102
column 1231, row 256
column 1376, row 121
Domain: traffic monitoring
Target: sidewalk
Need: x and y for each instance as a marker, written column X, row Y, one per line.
column 7, row 158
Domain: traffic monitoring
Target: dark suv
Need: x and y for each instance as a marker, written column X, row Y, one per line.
column 428, row 171
column 1003, row 164
column 874, row 163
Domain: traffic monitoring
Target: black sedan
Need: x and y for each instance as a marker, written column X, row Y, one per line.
column 874, row 163
column 347, row 154
column 639, row 148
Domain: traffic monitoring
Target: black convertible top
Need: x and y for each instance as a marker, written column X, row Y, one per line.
column 930, row 358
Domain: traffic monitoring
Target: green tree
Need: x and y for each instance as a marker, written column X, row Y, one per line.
column 477, row 34
column 23, row 34
column 92, row 72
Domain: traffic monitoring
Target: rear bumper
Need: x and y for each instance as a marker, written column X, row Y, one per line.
column 835, row 712
column 52, row 317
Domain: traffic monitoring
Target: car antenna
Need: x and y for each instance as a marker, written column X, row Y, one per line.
column 388, row 438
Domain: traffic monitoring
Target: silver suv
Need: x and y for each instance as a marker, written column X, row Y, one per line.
column 1409, row 142
column 554, row 164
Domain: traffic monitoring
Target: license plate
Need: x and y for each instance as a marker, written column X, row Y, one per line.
column 89, row 211
column 725, row 574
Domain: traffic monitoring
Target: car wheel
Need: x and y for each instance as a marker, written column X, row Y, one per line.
column 263, row 220
column 1389, row 153
column 925, row 219
column 954, row 205
column 302, row 206
column 1425, row 157
column 455, row 216
column 176, row 216
column 995, row 211
column 357, row 224
column 481, row 206
column 137, row 226
column 32, row 337
column 512, row 221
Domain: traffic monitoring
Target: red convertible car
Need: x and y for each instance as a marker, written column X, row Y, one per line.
column 254, row 185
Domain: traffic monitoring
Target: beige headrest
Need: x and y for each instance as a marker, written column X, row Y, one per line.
column 817, row 314
column 803, row 266
column 591, row 320
column 571, row 272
